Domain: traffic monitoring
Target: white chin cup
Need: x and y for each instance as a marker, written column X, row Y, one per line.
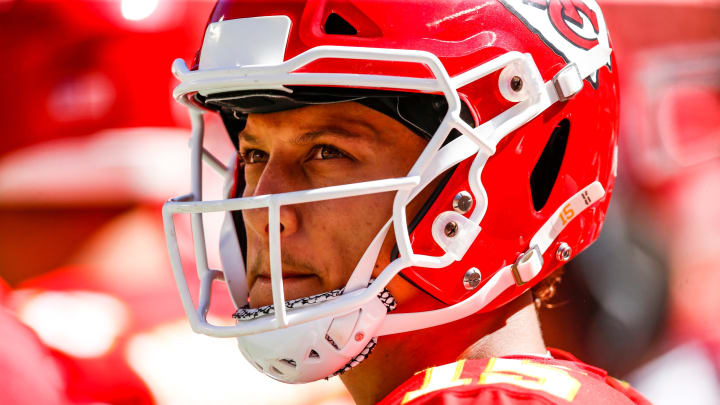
column 314, row 350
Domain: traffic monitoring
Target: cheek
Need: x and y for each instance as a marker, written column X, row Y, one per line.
column 255, row 247
column 248, row 190
column 344, row 228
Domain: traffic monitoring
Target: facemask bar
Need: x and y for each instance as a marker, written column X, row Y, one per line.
column 483, row 139
column 187, row 204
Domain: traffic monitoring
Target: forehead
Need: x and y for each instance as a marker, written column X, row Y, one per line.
column 349, row 117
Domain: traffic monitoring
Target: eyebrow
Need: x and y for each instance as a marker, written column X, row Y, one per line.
column 244, row 135
column 310, row 136
column 327, row 130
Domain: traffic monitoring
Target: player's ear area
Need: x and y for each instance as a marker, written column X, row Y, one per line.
column 546, row 291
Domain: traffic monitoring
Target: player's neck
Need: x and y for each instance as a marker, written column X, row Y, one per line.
column 511, row 329
column 520, row 334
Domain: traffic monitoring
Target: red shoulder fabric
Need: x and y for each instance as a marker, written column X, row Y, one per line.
column 617, row 384
column 514, row 380
column 29, row 373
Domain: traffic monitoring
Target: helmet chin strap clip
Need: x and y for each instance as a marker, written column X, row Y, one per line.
column 568, row 82
column 526, row 268
column 527, row 265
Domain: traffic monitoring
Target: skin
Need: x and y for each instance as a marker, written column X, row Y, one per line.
column 332, row 144
column 313, row 147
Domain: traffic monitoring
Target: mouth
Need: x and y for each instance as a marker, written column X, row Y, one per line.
column 287, row 278
column 294, row 286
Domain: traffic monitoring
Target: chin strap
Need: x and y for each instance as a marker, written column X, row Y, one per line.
column 246, row 313
column 357, row 359
column 389, row 301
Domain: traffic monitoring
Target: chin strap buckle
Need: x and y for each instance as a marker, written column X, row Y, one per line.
column 568, row 82
column 527, row 266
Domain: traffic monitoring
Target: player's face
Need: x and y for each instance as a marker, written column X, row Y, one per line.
column 313, row 147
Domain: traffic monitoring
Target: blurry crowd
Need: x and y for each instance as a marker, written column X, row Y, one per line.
column 93, row 144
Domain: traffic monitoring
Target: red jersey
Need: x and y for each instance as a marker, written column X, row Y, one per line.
column 514, row 380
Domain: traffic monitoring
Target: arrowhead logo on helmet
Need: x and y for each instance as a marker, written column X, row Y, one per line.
column 569, row 27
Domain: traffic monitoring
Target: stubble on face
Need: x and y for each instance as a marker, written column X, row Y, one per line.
column 320, row 254
column 322, row 257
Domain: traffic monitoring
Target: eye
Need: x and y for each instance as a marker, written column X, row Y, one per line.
column 252, row 156
column 325, row 152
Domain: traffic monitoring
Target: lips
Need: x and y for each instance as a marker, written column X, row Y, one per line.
column 293, row 285
column 299, row 279
column 292, row 270
column 290, row 277
column 286, row 278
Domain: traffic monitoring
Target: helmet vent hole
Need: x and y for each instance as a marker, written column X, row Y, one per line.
column 336, row 25
column 545, row 173
column 275, row 371
column 289, row 362
column 314, row 354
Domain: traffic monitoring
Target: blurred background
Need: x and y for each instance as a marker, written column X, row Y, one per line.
column 93, row 144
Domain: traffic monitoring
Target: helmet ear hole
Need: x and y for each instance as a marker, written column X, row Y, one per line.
column 547, row 168
column 336, row 25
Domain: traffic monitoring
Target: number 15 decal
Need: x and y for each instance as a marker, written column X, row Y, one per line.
column 567, row 214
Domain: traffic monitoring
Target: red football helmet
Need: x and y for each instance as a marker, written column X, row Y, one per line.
column 524, row 93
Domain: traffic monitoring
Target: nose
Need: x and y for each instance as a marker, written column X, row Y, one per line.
column 288, row 220
column 274, row 180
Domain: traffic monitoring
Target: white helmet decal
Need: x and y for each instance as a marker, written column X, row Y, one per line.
column 569, row 27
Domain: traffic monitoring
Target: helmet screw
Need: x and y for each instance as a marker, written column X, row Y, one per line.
column 516, row 83
column 451, row 229
column 472, row 278
column 359, row 337
column 563, row 253
column 462, row 202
